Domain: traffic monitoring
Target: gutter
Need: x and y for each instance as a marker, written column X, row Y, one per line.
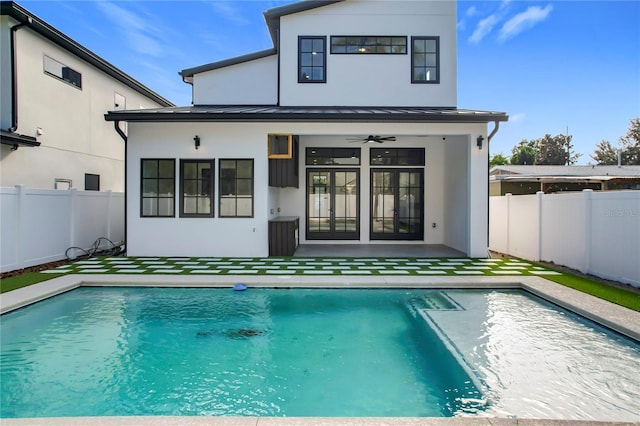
column 116, row 125
column 14, row 76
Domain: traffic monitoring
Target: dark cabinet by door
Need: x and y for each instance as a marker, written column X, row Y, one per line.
column 283, row 235
column 284, row 172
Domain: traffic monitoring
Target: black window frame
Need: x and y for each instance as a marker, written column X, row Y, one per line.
column 330, row 156
column 222, row 181
column 413, row 59
column 414, row 157
column 91, row 182
column 363, row 41
column 209, row 180
column 324, row 59
column 67, row 74
column 157, row 196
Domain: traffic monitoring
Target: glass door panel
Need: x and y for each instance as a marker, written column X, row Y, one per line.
column 333, row 204
column 396, row 204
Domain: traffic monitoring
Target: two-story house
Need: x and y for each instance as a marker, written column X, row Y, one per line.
column 347, row 127
column 54, row 93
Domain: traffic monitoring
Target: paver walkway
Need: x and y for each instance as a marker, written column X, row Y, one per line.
column 303, row 266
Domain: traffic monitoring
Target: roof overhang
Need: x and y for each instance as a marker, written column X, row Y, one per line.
column 307, row 114
column 15, row 140
column 272, row 16
column 187, row 74
column 547, row 179
column 22, row 15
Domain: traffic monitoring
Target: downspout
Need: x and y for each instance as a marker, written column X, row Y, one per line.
column 491, row 135
column 116, row 125
column 14, row 75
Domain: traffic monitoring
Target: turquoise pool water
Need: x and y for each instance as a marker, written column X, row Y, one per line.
column 311, row 352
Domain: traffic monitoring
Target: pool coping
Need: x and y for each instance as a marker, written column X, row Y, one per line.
column 615, row 317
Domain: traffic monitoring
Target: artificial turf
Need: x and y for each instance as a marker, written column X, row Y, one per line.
column 617, row 295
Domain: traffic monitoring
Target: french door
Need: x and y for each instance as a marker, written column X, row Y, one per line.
column 397, row 204
column 333, row 204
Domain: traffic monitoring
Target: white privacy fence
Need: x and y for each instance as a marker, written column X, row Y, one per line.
column 594, row 232
column 39, row 225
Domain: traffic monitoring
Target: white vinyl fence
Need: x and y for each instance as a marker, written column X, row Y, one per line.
column 594, row 232
column 39, row 225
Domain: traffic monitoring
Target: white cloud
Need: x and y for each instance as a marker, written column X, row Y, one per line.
column 142, row 36
column 484, row 27
column 229, row 11
column 471, row 11
column 524, row 21
column 517, row 117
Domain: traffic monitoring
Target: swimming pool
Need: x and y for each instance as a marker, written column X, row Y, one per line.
column 313, row 352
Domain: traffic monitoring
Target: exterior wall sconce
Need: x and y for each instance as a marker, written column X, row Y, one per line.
column 479, row 141
column 197, row 141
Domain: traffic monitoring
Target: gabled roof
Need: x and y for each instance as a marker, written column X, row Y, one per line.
column 307, row 114
column 36, row 24
column 272, row 17
column 534, row 172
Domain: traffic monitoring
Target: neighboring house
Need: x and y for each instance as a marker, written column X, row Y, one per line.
column 54, row 93
column 349, row 124
column 520, row 180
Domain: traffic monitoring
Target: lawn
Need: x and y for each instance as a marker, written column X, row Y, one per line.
column 617, row 295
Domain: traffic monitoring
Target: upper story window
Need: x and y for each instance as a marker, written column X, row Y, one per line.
column 63, row 72
column 377, row 45
column 312, row 55
column 425, row 60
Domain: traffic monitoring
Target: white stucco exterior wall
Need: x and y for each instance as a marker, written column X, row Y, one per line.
column 75, row 137
column 368, row 80
column 449, row 188
column 248, row 83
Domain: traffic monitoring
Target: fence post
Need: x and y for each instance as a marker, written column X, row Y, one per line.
column 20, row 214
column 73, row 194
column 507, row 220
column 539, row 199
column 586, row 207
column 109, row 195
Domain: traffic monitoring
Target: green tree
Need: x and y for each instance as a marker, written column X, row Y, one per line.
column 524, row 152
column 497, row 160
column 605, row 154
column 555, row 150
column 630, row 144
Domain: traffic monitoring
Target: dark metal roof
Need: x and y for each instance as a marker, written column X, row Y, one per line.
column 317, row 114
column 272, row 16
column 16, row 139
column 189, row 72
column 36, row 24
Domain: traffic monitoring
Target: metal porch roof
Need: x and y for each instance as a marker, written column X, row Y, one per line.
column 307, row 113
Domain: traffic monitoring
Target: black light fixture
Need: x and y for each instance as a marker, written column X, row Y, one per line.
column 479, row 141
column 197, row 141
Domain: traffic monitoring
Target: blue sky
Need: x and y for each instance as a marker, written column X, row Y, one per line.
column 551, row 65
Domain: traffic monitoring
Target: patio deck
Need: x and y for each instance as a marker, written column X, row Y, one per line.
column 377, row 250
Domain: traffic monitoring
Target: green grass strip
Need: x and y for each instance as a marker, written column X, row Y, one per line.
column 24, row 280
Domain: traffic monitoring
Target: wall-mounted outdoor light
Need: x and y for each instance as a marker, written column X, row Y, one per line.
column 479, row 141
column 197, row 141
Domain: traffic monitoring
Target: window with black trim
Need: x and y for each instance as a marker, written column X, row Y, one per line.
column 396, row 156
column 62, row 72
column 91, row 182
column 425, row 60
column 332, row 156
column 157, row 192
column 196, row 188
column 312, row 55
column 236, row 188
column 372, row 45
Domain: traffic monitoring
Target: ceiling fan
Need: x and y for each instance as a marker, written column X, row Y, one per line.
column 372, row 139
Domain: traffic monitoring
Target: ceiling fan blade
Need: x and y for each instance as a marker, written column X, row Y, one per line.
column 388, row 138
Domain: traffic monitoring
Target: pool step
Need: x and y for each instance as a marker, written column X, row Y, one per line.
column 435, row 301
